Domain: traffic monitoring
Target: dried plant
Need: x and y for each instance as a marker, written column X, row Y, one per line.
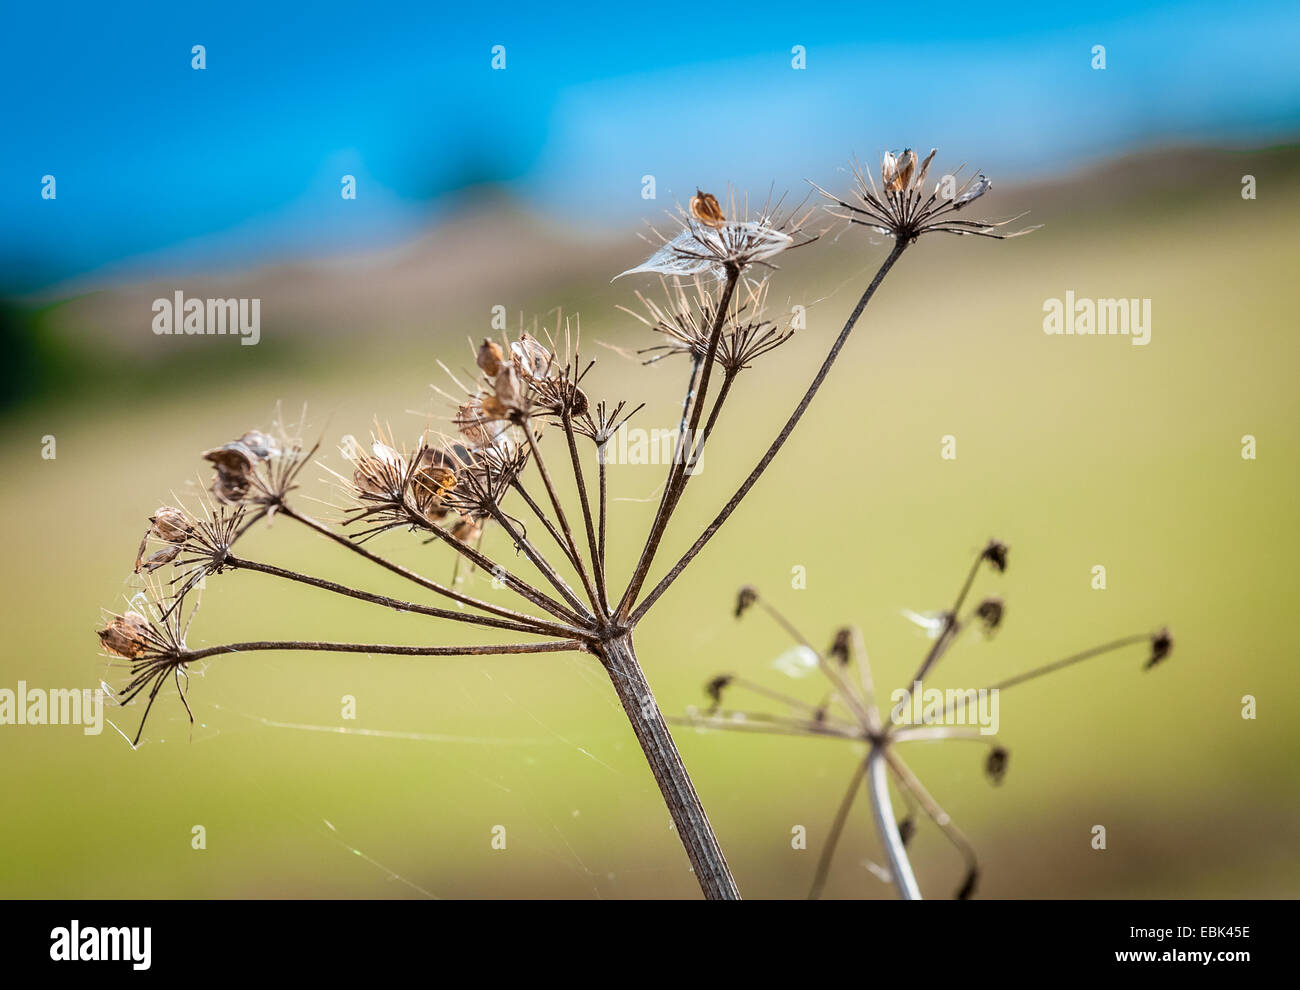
column 849, row 710
column 493, row 470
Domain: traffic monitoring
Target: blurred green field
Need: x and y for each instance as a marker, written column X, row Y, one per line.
column 1074, row 451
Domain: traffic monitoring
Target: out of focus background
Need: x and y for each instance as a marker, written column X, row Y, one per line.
column 526, row 187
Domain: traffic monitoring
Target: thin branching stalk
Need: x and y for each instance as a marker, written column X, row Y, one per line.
column 678, row 466
column 648, row 602
column 239, row 563
column 490, row 649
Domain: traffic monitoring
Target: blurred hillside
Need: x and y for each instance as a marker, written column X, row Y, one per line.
column 1075, row 451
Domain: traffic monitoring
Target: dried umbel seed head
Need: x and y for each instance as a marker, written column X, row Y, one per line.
column 705, row 209
column 1161, row 645
column 990, row 612
column 126, row 635
column 840, row 647
column 996, row 554
column 489, row 357
column 748, row 595
column 995, row 764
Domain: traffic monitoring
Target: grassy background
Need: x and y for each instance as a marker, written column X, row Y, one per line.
column 1075, row 451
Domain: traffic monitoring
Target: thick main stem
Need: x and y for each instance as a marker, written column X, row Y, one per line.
column 882, row 810
column 692, row 824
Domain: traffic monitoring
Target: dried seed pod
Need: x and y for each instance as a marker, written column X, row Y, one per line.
column 705, row 208
column 474, row 422
column 170, row 525
column 259, row 445
column 231, row 487
column 579, row 404
column 748, row 595
column 995, row 764
column 530, row 358
column 1161, row 645
column 906, row 166
column 490, row 357
column 156, row 560
column 996, row 554
column 990, row 611
column 380, row 473
column 907, row 830
column 840, row 648
column 508, row 390
column 715, row 688
column 126, row 635
column 433, row 476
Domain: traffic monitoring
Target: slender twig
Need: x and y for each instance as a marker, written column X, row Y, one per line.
column 675, row 470
column 493, row 649
column 451, row 615
column 519, row 586
column 597, row 565
column 563, row 520
column 543, row 518
column 777, row 444
column 542, row 564
column 833, row 838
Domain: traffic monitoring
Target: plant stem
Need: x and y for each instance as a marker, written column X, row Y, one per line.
column 554, row 646
column 692, row 824
column 675, row 470
column 882, row 810
column 776, row 445
column 531, row 626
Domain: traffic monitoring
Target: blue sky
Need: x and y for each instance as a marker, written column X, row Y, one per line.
column 160, row 167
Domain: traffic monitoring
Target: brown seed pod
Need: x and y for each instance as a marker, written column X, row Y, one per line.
column 995, row 765
column 840, row 647
column 996, row 554
column 705, row 209
column 1162, row 645
column 490, row 357
column 748, row 595
column 170, row 525
column 990, row 611
column 126, row 635
column 433, row 476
